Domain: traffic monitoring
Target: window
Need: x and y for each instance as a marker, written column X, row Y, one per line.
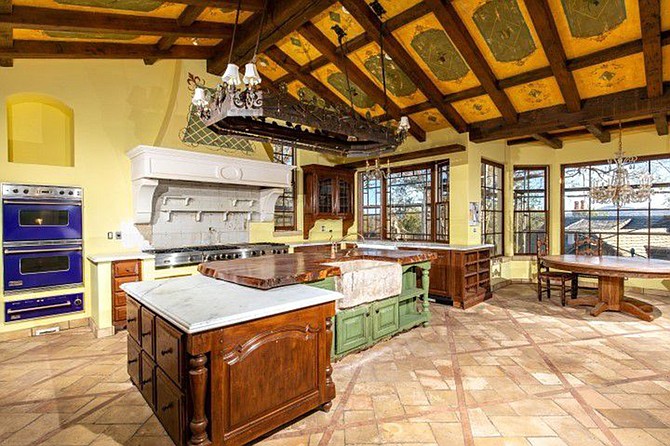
column 492, row 205
column 285, row 206
column 401, row 206
column 530, row 208
column 637, row 229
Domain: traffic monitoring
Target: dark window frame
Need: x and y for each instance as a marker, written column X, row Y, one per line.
column 546, row 170
column 647, row 158
column 289, row 192
column 484, row 211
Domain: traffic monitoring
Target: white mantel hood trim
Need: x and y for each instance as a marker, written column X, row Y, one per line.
column 150, row 164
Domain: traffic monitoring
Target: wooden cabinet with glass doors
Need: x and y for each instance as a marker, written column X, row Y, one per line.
column 329, row 195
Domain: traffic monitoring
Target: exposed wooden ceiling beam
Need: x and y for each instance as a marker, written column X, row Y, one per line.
column 37, row 49
column 545, row 26
column 599, row 132
column 282, row 18
column 50, row 19
column 434, row 151
column 661, row 123
column 6, row 33
column 189, row 15
column 623, row 105
column 650, row 20
column 247, row 5
column 453, row 24
column 345, row 65
column 371, row 23
column 549, row 140
column 5, row 6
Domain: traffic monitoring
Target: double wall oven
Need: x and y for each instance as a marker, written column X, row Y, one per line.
column 42, row 245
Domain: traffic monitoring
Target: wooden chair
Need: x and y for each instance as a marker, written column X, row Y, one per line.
column 547, row 278
column 586, row 245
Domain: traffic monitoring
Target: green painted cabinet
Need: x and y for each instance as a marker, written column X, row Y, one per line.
column 353, row 329
column 384, row 317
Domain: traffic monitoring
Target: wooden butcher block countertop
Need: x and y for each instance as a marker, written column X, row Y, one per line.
column 273, row 271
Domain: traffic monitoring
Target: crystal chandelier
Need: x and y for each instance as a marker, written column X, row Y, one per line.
column 376, row 172
column 617, row 189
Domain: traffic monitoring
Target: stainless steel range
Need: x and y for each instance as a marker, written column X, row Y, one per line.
column 193, row 255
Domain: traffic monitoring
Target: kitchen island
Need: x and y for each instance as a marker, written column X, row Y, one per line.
column 223, row 364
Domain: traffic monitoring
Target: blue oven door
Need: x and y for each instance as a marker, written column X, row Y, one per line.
column 28, row 221
column 42, row 266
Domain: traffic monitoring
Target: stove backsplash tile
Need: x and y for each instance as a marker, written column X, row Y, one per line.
column 199, row 214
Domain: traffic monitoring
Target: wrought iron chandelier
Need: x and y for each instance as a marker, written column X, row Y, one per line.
column 617, row 189
column 241, row 108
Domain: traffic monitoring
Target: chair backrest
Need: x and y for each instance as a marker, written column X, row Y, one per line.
column 542, row 250
column 588, row 245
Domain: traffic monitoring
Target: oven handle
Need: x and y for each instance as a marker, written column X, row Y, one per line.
column 44, row 307
column 33, row 251
column 74, row 203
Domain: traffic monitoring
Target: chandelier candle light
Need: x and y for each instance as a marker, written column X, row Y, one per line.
column 617, row 189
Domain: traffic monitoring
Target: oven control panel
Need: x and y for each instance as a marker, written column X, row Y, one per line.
column 20, row 310
column 32, row 191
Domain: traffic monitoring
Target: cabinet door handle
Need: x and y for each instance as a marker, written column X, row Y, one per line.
column 167, row 406
column 377, row 311
column 167, row 351
column 132, row 319
column 146, row 381
column 131, row 361
column 367, row 314
column 145, row 334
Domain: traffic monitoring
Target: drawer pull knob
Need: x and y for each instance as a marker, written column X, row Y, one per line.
column 167, row 351
column 167, row 406
column 132, row 361
column 145, row 334
column 132, row 319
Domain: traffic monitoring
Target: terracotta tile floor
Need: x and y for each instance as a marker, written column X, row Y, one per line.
column 509, row 372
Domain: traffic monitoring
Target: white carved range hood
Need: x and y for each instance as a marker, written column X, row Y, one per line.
column 150, row 164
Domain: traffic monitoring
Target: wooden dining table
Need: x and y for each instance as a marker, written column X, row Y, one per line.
column 611, row 272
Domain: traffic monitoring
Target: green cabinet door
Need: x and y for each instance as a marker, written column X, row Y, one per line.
column 352, row 329
column 384, row 317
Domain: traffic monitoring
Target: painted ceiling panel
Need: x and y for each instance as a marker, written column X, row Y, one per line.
column 477, row 109
column 269, row 68
column 431, row 48
column 666, row 63
column 609, row 77
column 151, row 8
column 199, row 41
column 504, row 33
column 337, row 15
column 400, row 88
column 298, row 48
column 299, row 91
column 430, row 120
column 223, row 15
column 534, row 95
column 66, row 36
column 586, row 26
column 395, row 7
column 665, row 14
column 335, row 80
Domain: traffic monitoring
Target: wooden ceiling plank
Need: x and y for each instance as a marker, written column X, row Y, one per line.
column 434, row 151
column 247, row 5
column 328, row 49
column 650, row 20
column 599, row 132
column 623, row 105
column 642, row 122
column 371, row 23
column 187, row 17
column 50, row 19
column 40, row 49
column 6, row 33
column 455, row 28
column 6, row 6
column 282, row 18
column 661, row 123
column 545, row 27
column 548, row 140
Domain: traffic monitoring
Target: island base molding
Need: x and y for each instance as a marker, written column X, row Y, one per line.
column 231, row 385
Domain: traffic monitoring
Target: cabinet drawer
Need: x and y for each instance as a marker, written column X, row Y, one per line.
column 352, row 329
column 118, row 281
column 133, row 319
column 148, row 379
column 126, row 268
column 147, row 320
column 119, row 299
column 168, row 350
column 169, row 406
column 120, row 314
column 384, row 318
column 134, row 361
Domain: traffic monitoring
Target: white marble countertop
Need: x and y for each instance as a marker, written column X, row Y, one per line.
column 116, row 256
column 198, row 303
column 390, row 244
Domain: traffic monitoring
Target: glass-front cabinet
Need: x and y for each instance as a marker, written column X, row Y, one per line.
column 329, row 195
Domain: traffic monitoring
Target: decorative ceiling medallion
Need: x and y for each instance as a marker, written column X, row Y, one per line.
column 337, row 15
column 505, row 31
column 298, row 48
column 534, row 93
column 358, row 96
column 269, row 68
column 608, row 75
column 89, row 36
column 307, row 95
column 477, row 109
column 397, row 82
column 437, row 51
column 126, row 5
column 594, row 18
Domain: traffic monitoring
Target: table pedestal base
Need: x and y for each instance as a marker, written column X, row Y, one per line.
column 611, row 298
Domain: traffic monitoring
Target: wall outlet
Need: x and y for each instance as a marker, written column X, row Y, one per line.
column 118, row 235
column 110, row 236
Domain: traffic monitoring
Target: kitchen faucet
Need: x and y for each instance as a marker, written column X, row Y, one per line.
column 334, row 245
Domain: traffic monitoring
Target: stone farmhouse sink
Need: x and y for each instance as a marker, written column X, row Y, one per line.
column 363, row 281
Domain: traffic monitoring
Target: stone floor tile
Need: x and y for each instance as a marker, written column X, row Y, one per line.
column 522, row 426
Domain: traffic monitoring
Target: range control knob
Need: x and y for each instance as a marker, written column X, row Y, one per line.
column 77, row 301
column 25, row 191
column 16, row 191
